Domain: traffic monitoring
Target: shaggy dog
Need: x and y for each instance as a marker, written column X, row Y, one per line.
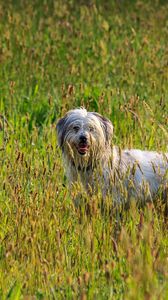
column 85, row 139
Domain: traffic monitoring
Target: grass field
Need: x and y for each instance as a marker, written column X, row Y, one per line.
column 111, row 57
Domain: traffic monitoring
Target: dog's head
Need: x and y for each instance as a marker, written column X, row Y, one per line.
column 84, row 132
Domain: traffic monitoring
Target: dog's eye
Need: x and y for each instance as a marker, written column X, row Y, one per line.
column 76, row 128
column 91, row 128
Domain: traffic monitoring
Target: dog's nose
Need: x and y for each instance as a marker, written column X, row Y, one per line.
column 83, row 138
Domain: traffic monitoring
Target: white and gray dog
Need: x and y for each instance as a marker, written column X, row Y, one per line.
column 85, row 139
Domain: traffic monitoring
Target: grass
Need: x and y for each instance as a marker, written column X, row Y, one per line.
column 110, row 57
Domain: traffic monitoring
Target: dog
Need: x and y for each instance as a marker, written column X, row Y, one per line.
column 85, row 139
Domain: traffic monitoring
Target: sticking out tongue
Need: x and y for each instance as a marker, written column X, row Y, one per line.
column 82, row 148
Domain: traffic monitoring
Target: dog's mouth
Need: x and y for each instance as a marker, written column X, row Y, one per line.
column 82, row 148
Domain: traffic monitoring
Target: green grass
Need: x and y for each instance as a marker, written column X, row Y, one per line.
column 111, row 57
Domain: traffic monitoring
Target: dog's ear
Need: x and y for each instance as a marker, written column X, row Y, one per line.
column 60, row 128
column 107, row 126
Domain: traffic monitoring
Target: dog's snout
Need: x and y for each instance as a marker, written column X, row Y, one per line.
column 83, row 138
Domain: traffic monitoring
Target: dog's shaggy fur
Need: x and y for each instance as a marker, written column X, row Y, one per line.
column 85, row 139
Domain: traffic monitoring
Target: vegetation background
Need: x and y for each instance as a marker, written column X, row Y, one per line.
column 111, row 57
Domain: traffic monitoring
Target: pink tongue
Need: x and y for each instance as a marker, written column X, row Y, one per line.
column 82, row 149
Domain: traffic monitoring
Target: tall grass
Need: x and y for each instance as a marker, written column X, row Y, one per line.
column 110, row 57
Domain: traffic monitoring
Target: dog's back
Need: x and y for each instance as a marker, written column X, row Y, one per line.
column 147, row 168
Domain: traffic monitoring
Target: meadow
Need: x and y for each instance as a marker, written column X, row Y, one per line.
column 111, row 57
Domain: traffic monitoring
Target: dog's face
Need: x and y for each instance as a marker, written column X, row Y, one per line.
column 83, row 132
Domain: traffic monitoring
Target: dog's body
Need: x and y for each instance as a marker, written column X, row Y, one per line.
column 85, row 139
